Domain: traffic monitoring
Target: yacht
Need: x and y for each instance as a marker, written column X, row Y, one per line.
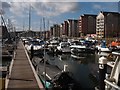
column 64, row 47
column 37, row 47
column 102, row 49
column 80, row 49
column 52, row 47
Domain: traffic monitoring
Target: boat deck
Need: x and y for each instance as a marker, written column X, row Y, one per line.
column 23, row 75
column 51, row 70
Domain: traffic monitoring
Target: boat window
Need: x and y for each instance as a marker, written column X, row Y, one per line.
column 35, row 43
column 54, row 43
column 79, row 43
column 41, row 42
column 65, row 44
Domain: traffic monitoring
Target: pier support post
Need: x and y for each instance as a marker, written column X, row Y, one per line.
column 24, row 42
column 102, row 72
column 32, row 53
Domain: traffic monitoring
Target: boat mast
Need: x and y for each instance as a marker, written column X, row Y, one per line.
column 29, row 17
column 29, row 27
column 1, row 12
column 40, row 27
column 44, row 52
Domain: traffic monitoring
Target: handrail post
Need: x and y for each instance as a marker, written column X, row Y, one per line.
column 102, row 72
column 32, row 52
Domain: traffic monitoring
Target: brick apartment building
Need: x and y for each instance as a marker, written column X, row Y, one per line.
column 87, row 24
column 73, row 28
column 108, row 24
column 55, row 31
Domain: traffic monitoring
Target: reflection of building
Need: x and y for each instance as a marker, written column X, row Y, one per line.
column 108, row 24
column 87, row 24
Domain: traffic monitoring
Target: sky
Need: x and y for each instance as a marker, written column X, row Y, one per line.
column 53, row 12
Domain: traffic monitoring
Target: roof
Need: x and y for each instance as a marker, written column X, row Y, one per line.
column 105, row 13
column 89, row 15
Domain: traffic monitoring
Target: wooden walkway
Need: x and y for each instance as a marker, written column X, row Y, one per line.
column 22, row 75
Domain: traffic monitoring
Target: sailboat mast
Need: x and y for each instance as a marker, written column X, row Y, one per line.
column 29, row 17
column 44, row 52
column 40, row 27
column 29, row 27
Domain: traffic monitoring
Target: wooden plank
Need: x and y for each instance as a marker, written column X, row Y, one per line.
column 22, row 75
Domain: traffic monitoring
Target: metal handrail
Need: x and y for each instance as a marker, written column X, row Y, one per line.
column 112, row 84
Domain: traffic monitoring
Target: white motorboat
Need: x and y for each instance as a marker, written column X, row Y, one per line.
column 78, row 51
column 36, row 47
column 53, row 44
column 81, row 49
column 64, row 47
column 102, row 49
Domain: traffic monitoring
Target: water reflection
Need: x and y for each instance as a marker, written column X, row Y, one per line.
column 84, row 69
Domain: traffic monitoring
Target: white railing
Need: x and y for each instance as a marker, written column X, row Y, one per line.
column 111, row 86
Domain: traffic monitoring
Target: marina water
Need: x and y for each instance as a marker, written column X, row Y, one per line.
column 84, row 70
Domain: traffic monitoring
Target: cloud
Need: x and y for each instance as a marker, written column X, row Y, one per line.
column 106, row 6
column 41, row 0
column 98, row 1
column 19, row 8
column 47, row 9
column 5, row 5
column 54, row 9
column 96, row 6
column 60, row 0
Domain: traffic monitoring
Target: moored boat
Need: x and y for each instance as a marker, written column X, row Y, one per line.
column 64, row 47
column 103, row 49
column 80, row 49
column 114, row 46
column 37, row 48
column 55, row 78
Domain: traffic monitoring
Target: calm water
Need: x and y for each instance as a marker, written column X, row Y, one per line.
column 4, row 62
column 84, row 70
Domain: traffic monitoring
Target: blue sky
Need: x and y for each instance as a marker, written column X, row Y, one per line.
column 54, row 12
